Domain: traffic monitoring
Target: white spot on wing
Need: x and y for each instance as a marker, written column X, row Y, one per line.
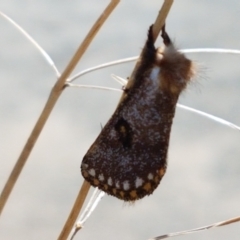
column 117, row 185
column 110, row 182
column 150, row 176
column 126, row 185
column 138, row 182
column 92, row 172
column 101, row 177
column 84, row 166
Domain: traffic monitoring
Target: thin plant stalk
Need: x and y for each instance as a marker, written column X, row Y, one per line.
column 134, row 58
column 158, row 24
column 219, row 224
column 92, row 204
column 34, row 42
column 54, row 95
column 189, row 109
column 74, row 212
column 160, row 20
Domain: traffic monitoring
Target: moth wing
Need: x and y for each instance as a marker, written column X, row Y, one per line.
column 128, row 159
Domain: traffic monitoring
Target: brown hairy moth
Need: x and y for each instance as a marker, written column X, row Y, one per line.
column 129, row 157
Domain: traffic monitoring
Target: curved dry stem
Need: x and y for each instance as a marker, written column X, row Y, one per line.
column 219, row 224
column 93, row 87
column 195, row 111
column 34, row 42
column 211, row 50
column 54, row 95
column 210, row 116
column 101, row 66
column 134, row 58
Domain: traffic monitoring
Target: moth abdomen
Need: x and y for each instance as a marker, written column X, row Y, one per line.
column 129, row 157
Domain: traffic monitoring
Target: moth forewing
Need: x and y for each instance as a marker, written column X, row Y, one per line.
column 129, row 157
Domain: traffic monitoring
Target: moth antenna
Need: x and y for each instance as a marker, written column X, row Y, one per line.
column 166, row 39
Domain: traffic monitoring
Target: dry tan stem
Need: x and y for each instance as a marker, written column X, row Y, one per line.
column 230, row 221
column 162, row 15
column 159, row 22
column 75, row 211
column 54, row 95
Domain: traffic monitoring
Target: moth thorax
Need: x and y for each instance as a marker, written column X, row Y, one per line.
column 176, row 69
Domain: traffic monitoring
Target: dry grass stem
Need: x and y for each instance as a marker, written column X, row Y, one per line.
column 91, row 205
column 159, row 22
column 219, row 224
column 54, row 95
column 85, row 186
column 162, row 15
column 75, row 211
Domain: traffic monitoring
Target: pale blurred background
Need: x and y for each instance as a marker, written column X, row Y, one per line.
column 202, row 184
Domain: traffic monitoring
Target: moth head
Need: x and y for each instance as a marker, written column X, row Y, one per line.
column 176, row 69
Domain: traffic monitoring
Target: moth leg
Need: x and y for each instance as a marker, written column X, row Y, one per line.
column 150, row 39
column 166, row 39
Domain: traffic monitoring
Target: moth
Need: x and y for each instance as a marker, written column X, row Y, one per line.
column 129, row 157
